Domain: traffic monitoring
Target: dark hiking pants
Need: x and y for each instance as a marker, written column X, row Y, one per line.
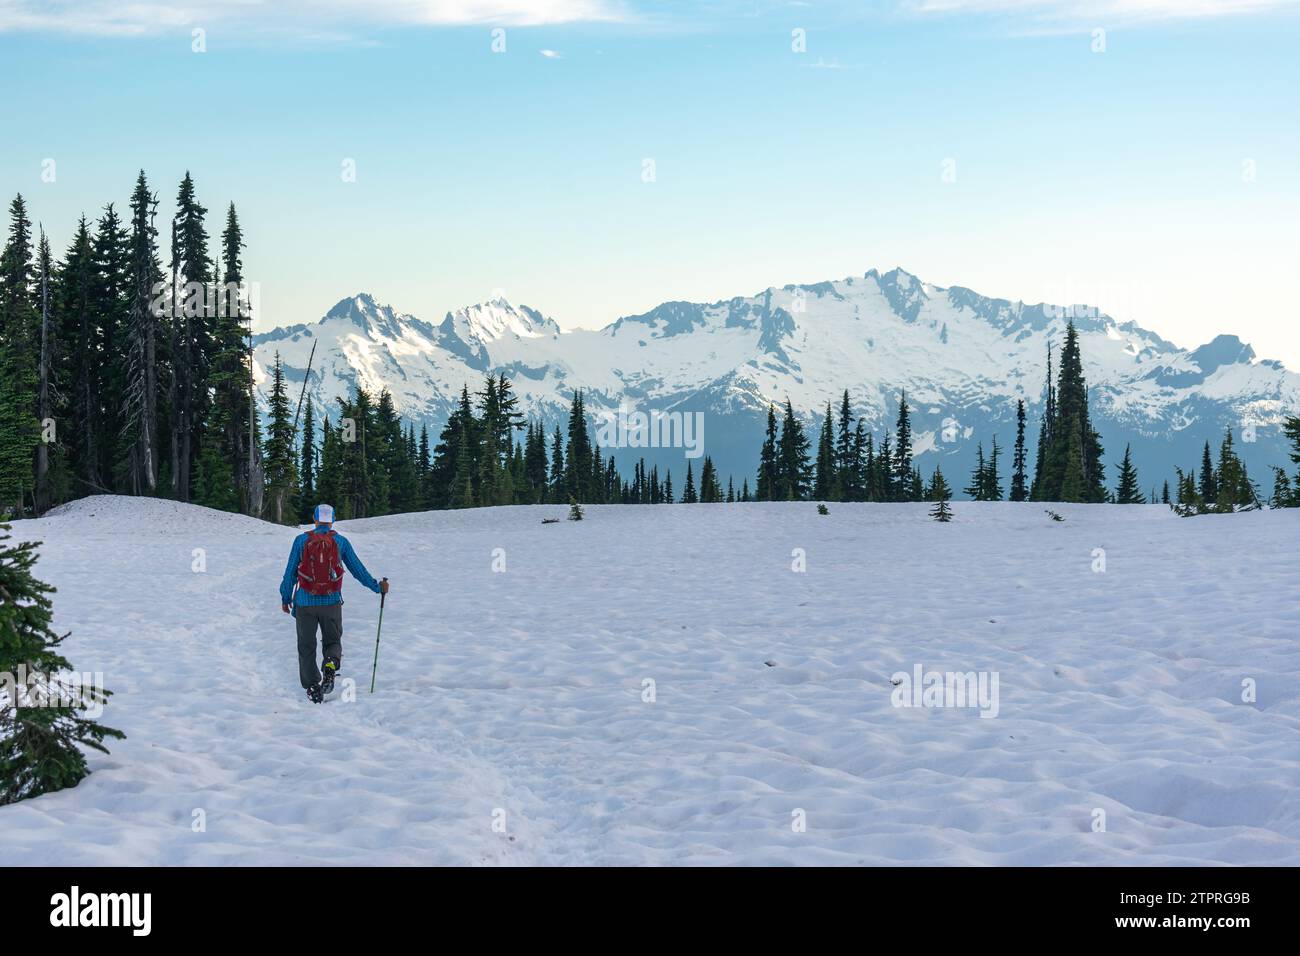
column 329, row 618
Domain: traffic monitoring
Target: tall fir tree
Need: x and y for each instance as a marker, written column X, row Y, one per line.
column 689, row 495
column 1019, row 488
column 825, row 481
column 191, row 335
column 19, row 322
column 992, row 476
column 1071, row 462
column 111, row 296
column 846, row 448
column 281, row 474
column 1046, row 435
column 52, row 478
column 978, row 477
column 766, row 487
column 139, row 444
column 1233, row 489
column 80, row 360
column 793, row 465
column 578, row 478
column 1209, row 480
column 902, row 478
column 307, row 464
column 232, row 426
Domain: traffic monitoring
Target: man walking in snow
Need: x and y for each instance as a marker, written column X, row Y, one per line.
column 312, row 590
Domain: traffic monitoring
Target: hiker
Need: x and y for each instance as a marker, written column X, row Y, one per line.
column 315, row 566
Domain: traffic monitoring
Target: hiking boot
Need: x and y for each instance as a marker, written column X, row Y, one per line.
column 314, row 694
column 328, row 670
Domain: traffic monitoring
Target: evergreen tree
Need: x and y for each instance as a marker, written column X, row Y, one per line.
column 1019, row 490
column 395, row 456
column 214, row 481
column 329, row 481
column 191, row 337
column 1071, row 467
column 1046, row 437
column 689, row 497
column 792, row 459
column 708, row 482
column 19, row 428
column 577, row 478
column 1283, row 494
column 490, row 448
column 940, row 494
column 853, row 480
column 423, row 463
column 42, row 722
column 1291, row 428
column 824, row 484
column 1127, row 491
column 358, row 483
column 883, row 481
column 767, row 485
column 139, row 468
column 232, row 424
column 307, row 466
column 866, row 481
column 52, row 476
column 1209, row 481
column 279, row 451
column 1190, row 501
column 535, row 464
column 978, row 481
column 462, row 495
column 1233, row 489
column 80, row 360
column 847, row 448
column 558, row 470
column 902, row 478
column 1072, row 486
column 447, row 459
column 111, row 296
column 992, row 484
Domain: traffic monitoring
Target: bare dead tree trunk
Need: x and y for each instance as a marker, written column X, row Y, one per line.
column 173, row 384
column 43, row 400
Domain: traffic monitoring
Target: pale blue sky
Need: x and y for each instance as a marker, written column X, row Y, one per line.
column 1115, row 177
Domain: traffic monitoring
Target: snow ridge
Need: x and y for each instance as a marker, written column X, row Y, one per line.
column 964, row 359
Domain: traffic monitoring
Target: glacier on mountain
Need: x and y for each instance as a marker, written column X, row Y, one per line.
column 962, row 359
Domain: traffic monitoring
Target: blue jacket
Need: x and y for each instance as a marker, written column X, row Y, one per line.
column 305, row 598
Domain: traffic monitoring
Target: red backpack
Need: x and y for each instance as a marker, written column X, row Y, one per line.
column 320, row 571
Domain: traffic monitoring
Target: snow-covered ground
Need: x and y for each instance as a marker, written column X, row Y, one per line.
column 520, row 698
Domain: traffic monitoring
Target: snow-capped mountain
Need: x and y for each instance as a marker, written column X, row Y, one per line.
column 962, row 358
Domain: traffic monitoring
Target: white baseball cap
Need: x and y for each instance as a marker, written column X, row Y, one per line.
column 324, row 514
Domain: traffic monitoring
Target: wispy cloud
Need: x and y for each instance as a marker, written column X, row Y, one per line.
column 149, row 17
column 552, row 54
column 1096, row 11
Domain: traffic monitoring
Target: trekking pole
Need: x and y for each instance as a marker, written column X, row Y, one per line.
column 375, row 666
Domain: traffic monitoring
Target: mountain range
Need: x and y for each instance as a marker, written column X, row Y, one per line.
column 961, row 358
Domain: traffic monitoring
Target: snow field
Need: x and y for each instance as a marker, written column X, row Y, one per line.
column 513, row 721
